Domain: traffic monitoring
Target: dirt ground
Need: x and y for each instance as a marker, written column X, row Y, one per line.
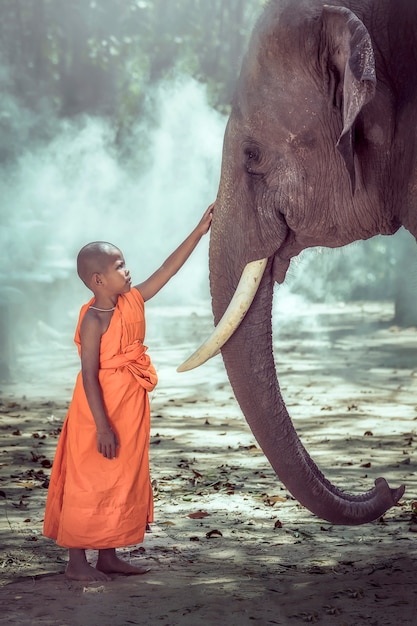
column 229, row 545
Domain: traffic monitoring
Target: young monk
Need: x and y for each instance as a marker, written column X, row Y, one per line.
column 100, row 495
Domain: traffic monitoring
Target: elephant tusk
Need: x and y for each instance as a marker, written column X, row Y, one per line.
column 239, row 305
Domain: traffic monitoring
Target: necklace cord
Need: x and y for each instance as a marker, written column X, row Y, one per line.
column 96, row 308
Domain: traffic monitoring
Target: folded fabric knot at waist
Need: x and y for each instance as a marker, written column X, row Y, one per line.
column 137, row 361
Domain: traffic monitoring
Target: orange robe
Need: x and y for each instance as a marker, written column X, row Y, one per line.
column 94, row 502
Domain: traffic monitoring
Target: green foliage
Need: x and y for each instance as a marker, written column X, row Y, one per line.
column 101, row 57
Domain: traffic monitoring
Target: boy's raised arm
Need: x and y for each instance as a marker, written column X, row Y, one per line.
column 176, row 260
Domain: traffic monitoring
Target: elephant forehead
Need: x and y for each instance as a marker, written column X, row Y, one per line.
column 280, row 131
column 292, row 103
column 285, row 41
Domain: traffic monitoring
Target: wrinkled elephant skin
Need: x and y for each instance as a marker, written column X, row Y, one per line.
column 319, row 150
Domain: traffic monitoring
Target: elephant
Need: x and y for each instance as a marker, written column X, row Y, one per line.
column 319, row 150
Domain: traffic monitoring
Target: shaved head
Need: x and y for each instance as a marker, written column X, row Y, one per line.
column 94, row 258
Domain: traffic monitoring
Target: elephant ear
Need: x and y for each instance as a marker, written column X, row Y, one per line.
column 351, row 58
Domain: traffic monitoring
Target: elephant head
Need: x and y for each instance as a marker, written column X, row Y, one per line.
column 311, row 157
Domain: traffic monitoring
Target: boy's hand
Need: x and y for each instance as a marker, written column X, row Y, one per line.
column 107, row 444
column 204, row 224
column 176, row 260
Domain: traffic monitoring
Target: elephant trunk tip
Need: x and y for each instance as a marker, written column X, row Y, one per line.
column 385, row 492
column 366, row 508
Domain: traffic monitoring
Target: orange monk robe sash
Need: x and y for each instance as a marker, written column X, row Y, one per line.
column 137, row 361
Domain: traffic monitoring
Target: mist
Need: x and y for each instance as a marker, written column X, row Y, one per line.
column 111, row 128
column 76, row 188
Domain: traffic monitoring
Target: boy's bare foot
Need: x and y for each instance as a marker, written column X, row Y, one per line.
column 85, row 572
column 78, row 568
column 109, row 563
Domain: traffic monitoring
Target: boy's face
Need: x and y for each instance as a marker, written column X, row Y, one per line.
column 116, row 276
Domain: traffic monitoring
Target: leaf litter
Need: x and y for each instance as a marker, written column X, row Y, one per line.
column 221, row 514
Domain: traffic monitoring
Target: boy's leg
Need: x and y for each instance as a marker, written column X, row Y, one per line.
column 79, row 569
column 109, row 563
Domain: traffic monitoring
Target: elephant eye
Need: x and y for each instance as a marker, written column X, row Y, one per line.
column 251, row 154
column 251, row 159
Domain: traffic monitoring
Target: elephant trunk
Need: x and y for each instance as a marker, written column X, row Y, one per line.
column 249, row 361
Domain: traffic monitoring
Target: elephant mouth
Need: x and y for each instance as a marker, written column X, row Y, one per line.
column 235, row 313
